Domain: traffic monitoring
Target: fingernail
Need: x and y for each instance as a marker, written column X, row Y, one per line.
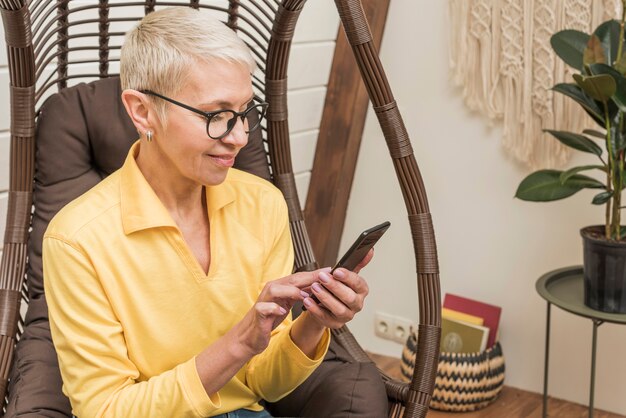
column 326, row 269
column 340, row 274
column 324, row 277
column 308, row 302
column 316, row 288
column 282, row 310
column 304, row 294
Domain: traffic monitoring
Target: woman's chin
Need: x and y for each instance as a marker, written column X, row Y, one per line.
column 215, row 178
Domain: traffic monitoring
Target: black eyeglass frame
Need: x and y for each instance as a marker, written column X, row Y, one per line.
column 209, row 115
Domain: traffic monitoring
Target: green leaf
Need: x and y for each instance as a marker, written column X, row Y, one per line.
column 569, row 173
column 570, row 45
column 546, row 186
column 622, row 232
column 608, row 34
column 600, row 87
column 579, row 142
column 620, row 93
column 602, row 198
column 594, row 54
column 575, row 92
column 595, row 133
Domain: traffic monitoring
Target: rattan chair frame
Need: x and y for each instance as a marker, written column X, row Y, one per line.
column 36, row 35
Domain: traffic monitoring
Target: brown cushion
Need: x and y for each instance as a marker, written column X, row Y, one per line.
column 339, row 388
column 35, row 378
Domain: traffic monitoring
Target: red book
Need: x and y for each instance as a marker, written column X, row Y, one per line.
column 490, row 313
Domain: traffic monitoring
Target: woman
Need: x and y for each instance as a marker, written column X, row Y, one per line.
column 168, row 284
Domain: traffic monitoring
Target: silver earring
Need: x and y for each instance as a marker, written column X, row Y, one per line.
column 149, row 136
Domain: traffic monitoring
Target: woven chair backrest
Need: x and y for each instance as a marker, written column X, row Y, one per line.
column 78, row 40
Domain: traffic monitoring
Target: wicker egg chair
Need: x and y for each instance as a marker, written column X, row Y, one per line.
column 45, row 51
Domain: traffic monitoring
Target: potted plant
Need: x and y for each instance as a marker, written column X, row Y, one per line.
column 600, row 88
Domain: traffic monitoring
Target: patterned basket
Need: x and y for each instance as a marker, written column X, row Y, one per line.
column 465, row 382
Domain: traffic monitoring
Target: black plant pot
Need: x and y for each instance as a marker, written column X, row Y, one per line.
column 605, row 271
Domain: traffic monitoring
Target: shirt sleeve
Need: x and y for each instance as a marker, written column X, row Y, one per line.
column 98, row 377
column 282, row 366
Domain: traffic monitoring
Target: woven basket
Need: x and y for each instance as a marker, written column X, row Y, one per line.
column 465, row 382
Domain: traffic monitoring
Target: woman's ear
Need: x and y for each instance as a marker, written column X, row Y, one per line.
column 139, row 110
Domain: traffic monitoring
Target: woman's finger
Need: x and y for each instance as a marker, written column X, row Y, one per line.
column 342, row 291
column 353, row 280
column 269, row 310
column 273, row 291
column 302, row 279
column 336, row 307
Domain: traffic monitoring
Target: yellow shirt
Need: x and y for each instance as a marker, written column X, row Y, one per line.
column 130, row 307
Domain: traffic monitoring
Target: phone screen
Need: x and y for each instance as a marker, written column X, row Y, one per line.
column 361, row 246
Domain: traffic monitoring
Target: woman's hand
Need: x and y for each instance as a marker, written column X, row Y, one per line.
column 341, row 296
column 220, row 361
column 271, row 308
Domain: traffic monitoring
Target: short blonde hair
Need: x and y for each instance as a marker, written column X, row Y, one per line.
column 158, row 52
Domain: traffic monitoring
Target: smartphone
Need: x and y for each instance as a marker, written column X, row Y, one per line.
column 359, row 249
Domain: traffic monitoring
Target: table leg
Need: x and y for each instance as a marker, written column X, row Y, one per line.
column 544, row 413
column 596, row 324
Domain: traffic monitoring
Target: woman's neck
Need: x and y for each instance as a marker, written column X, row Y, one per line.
column 182, row 197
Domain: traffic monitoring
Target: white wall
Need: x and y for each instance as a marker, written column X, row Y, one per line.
column 492, row 247
column 311, row 59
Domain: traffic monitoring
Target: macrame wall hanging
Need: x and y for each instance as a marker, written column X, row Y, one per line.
column 500, row 53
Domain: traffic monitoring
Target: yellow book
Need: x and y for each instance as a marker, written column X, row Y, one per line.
column 461, row 337
column 460, row 316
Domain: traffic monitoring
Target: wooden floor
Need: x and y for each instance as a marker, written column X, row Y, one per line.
column 512, row 403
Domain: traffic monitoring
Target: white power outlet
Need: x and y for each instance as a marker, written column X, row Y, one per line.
column 402, row 329
column 392, row 328
column 383, row 325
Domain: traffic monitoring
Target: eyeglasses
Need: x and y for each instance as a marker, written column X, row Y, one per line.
column 220, row 123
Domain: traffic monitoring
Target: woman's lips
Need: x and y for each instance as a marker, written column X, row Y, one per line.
column 223, row 160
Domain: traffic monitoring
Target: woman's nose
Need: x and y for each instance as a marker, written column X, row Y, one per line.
column 237, row 135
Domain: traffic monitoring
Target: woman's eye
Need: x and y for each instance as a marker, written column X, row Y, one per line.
column 217, row 117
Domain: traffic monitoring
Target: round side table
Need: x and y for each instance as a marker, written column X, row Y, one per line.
column 564, row 288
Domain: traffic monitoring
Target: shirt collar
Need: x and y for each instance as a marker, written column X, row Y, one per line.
column 142, row 209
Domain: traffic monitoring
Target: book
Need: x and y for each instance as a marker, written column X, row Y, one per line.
column 489, row 313
column 461, row 316
column 461, row 337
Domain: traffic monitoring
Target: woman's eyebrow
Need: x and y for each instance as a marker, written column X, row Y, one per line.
column 225, row 104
